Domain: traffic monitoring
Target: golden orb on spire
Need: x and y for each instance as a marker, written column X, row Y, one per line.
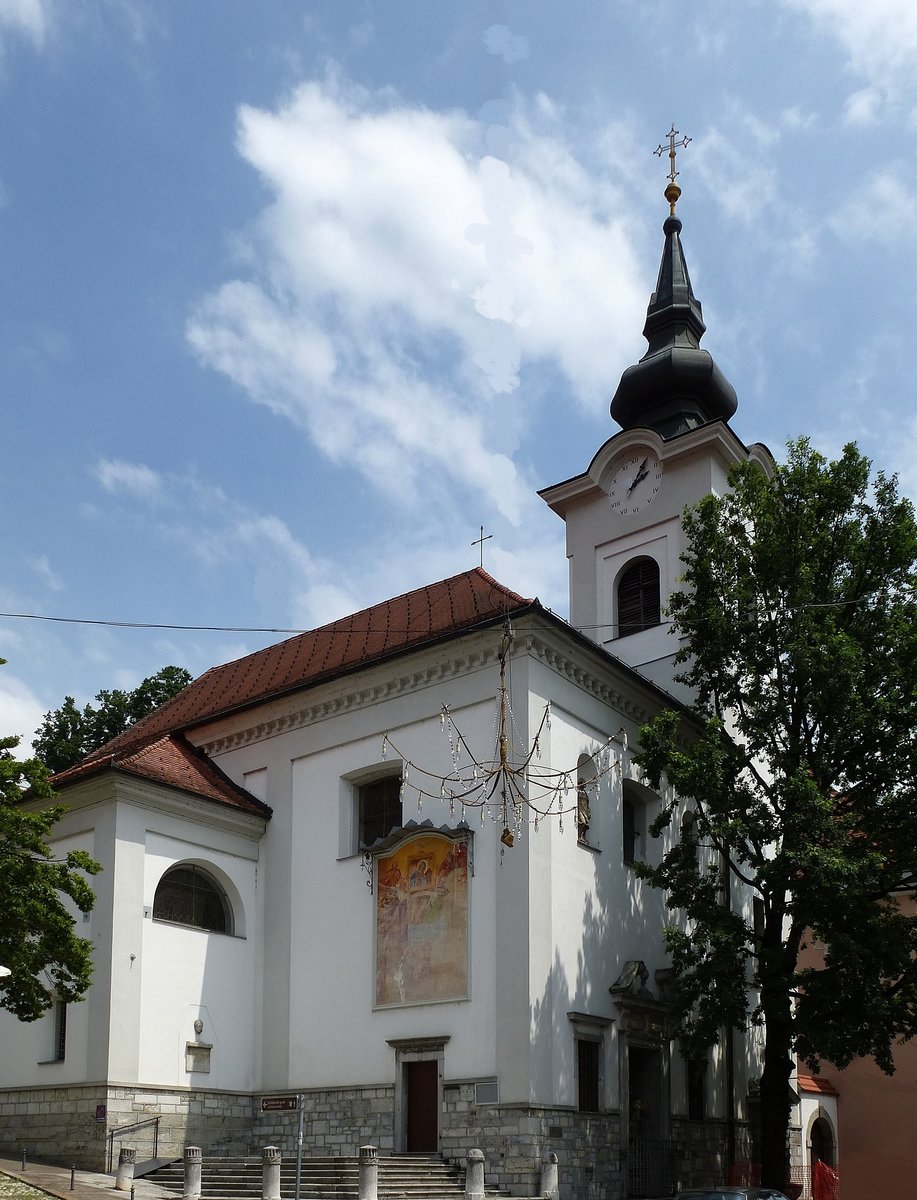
column 672, row 191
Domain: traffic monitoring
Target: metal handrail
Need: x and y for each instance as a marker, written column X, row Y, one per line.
column 121, row 1130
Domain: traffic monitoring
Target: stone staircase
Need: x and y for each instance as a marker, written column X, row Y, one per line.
column 401, row 1177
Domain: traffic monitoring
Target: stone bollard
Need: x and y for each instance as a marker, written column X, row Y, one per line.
column 192, row 1187
column 549, row 1176
column 474, row 1175
column 126, row 1160
column 270, row 1173
column 369, row 1173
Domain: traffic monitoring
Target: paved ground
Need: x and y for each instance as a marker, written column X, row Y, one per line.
column 38, row 1181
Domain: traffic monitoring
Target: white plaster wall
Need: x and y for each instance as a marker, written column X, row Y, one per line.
column 332, row 959
column 319, row 968
column 26, row 1048
column 190, row 974
column 600, row 915
column 600, row 542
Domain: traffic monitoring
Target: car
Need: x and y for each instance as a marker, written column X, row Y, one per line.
column 731, row 1192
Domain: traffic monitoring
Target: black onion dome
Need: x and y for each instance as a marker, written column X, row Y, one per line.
column 676, row 385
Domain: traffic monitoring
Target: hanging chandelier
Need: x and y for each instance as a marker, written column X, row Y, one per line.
column 510, row 784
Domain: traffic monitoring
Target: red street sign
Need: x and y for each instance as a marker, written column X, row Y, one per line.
column 279, row 1103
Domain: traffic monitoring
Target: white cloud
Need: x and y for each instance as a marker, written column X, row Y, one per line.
column 878, row 210
column 42, row 567
column 798, row 120
column 31, row 18
column 20, row 711
column 862, row 107
column 221, row 537
column 880, row 37
column 502, row 42
column 740, row 172
column 118, row 476
column 400, row 283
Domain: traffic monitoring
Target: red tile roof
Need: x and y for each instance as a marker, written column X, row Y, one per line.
column 406, row 622
column 172, row 761
column 815, row 1083
column 155, row 749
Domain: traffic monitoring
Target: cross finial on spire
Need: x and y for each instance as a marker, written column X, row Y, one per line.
column 479, row 541
column 673, row 191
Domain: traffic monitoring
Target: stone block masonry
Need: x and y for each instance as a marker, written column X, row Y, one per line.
column 517, row 1139
column 71, row 1125
column 61, row 1125
column 336, row 1122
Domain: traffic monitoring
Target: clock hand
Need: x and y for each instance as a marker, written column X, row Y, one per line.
column 641, row 475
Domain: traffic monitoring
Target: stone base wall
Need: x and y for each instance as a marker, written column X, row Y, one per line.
column 60, row 1124
column 71, row 1125
column 54, row 1124
column 703, row 1152
column 516, row 1139
column 336, row 1121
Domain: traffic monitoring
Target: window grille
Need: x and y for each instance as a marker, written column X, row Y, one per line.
column 587, row 1061
column 60, row 1031
column 186, row 895
column 380, row 808
column 631, row 835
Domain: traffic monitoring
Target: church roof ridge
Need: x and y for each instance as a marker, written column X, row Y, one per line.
column 391, row 627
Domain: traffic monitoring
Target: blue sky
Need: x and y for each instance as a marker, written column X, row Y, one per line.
column 296, row 296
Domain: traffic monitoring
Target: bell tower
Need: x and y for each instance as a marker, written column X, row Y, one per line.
column 623, row 514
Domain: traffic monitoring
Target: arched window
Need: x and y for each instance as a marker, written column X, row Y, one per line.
column 689, row 837
column 638, row 597
column 187, row 895
column 822, row 1143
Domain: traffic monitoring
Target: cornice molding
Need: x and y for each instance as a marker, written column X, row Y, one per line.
column 537, row 643
column 152, row 795
column 353, row 699
column 592, row 680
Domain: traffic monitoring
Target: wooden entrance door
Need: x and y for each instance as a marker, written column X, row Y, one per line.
column 422, row 1084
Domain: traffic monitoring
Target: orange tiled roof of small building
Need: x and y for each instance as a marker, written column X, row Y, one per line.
column 172, row 761
column 815, row 1083
column 411, row 620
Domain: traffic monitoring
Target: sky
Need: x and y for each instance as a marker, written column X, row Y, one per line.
column 296, row 296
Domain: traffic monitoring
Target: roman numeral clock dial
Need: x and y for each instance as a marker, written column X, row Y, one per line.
column 635, row 480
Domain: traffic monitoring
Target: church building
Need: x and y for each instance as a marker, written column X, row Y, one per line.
column 387, row 866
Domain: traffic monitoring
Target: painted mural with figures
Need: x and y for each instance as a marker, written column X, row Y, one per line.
column 421, row 891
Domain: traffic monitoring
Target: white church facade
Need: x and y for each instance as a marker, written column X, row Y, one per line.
column 388, row 866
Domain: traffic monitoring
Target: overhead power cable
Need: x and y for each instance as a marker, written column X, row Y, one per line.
column 349, row 630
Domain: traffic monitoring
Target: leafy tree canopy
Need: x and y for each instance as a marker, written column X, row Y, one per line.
column 38, row 943
column 69, row 733
column 800, row 617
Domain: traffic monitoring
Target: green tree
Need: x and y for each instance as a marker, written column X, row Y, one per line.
column 38, row 943
column 800, row 619
column 68, row 734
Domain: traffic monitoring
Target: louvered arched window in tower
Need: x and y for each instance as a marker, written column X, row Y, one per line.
column 639, row 605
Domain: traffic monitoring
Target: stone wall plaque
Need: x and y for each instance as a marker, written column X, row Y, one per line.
column 197, row 1057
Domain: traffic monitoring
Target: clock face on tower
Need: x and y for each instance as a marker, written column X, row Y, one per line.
column 635, row 480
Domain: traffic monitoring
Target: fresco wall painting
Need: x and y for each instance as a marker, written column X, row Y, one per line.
column 421, row 891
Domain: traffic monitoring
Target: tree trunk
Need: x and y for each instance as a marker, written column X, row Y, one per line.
column 775, row 1085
